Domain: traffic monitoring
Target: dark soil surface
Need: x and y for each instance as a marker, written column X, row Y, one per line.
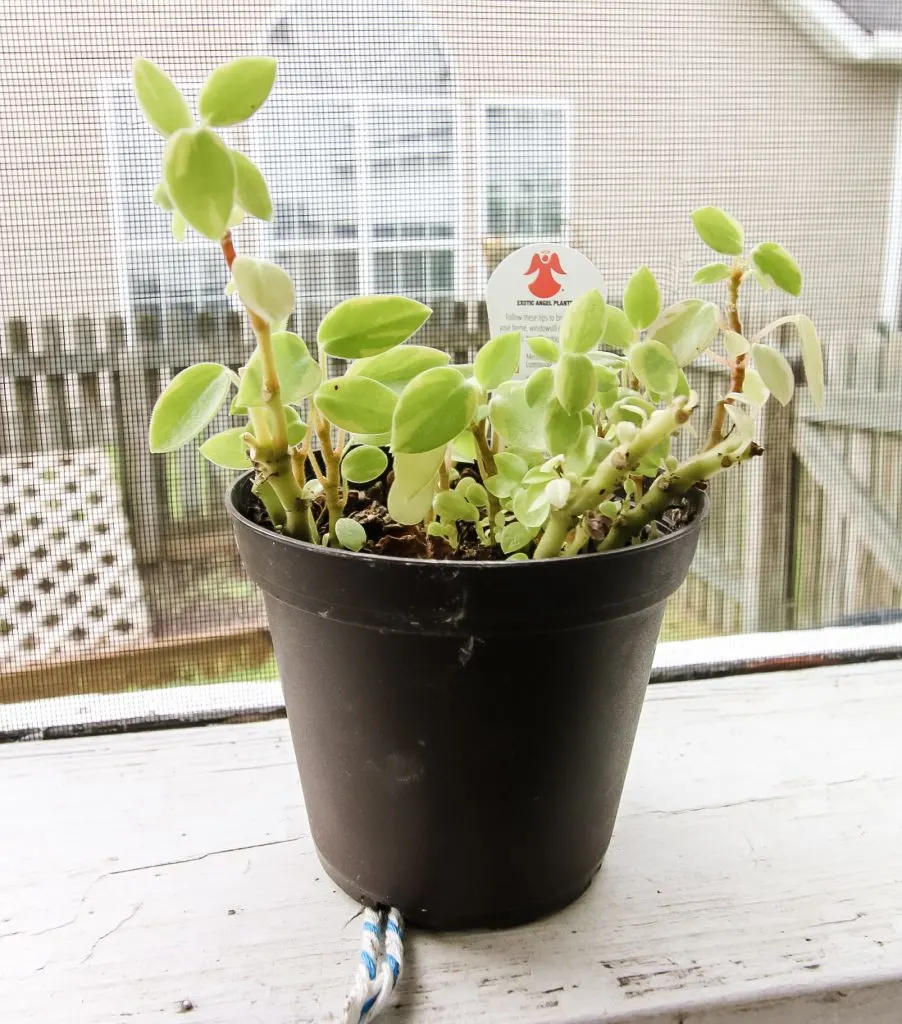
column 386, row 537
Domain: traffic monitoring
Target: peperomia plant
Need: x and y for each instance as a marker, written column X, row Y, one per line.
column 459, row 461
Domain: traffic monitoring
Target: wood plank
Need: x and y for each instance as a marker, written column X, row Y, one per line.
column 753, row 877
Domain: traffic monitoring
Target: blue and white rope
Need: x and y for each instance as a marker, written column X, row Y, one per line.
column 381, row 961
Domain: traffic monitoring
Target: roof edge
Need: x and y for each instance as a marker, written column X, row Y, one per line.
column 839, row 36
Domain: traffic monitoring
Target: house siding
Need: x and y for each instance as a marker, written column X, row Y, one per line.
column 672, row 106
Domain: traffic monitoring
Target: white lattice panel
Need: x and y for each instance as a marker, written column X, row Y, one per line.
column 68, row 581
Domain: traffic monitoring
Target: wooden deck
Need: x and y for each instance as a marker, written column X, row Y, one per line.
column 755, row 876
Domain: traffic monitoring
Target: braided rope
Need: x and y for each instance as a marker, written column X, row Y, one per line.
column 379, row 966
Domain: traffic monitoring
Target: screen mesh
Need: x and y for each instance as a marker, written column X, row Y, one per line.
column 409, row 147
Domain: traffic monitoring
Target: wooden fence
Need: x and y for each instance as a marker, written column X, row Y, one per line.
column 803, row 537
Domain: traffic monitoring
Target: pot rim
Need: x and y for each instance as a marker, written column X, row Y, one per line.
column 701, row 499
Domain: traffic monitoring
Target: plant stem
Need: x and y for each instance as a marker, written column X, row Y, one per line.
column 673, row 485
column 612, row 471
column 444, row 477
column 578, row 542
column 485, row 460
column 737, row 376
column 271, row 503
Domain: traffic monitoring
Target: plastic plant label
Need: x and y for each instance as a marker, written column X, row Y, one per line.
column 531, row 289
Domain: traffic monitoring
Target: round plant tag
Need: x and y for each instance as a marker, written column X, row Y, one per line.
column 530, row 291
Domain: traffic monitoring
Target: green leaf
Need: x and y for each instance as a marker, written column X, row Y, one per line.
column 453, row 506
column 463, row 447
column 719, row 231
column 583, row 324
column 539, row 387
column 474, row 493
column 379, row 440
column 179, row 226
column 235, row 91
column 350, row 534
column 163, row 105
column 513, row 418
column 682, row 389
column 654, row 365
column 500, row 486
column 161, row 197
column 519, row 556
column 812, row 359
column 511, row 466
column 410, row 495
column 364, row 463
column 581, row 453
column 264, row 288
column 711, row 273
column 432, row 410
column 398, row 366
column 515, row 537
column 774, row 261
column 226, row 449
column 687, row 328
column 356, row 404
column 251, row 188
column 199, row 174
column 561, row 428
column 754, row 388
column 497, row 360
column 605, row 378
column 544, row 348
column 370, row 324
column 735, row 344
column 190, row 401
column 618, row 331
column 299, row 374
column 574, row 381
column 775, row 371
column 531, row 506
column 642, row 299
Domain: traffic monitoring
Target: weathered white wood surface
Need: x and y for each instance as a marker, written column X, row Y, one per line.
column 755, row 876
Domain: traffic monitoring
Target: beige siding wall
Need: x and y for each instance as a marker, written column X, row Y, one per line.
column 673, row 105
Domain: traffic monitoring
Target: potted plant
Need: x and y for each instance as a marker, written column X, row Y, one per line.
column 465, row 573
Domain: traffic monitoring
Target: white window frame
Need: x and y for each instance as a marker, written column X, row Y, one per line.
column 365, row 245
column 563, row 106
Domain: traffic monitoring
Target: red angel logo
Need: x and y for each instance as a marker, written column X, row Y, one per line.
column 545, row 265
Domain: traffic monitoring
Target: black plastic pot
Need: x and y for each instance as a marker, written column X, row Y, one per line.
column 462, row 730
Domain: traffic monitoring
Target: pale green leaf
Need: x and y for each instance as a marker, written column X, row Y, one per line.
column 515, row 537
column 582, row 453
column 378, row 440
column 642, row 299
column 711, row 273
column 453, row 506
column 161, row 197
column 235, row 91
column 519, row 556
column 561, row 428
column 719, row 231
column 432, row 410
column 753, row 387
column 199, row 174
column 497, row 360
column 583, row 323
column 369, row 324
column 687, row 328
column 744, row 424
column 557, row 492
column 163, row 105
column 226, row 449
column 250, row 187
column 299, row 374
column 776, row 263
column 463, row 447
column 189, row 402
column 264, row 288
column 775, row 371
column 179, row 226
column 539, row 386
column 500, row 486
column 531, row 506
column 474, row 492
column 351, row 534
column 513, row 418
column 398, row 366
column 618, row 331
column 735, row 344
column 812, row 359
column 544, row 348
column 356, row 404
column 410, row 495
column 655, row 367
column 574, row 381
column 511, row 466
column 363, row 463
